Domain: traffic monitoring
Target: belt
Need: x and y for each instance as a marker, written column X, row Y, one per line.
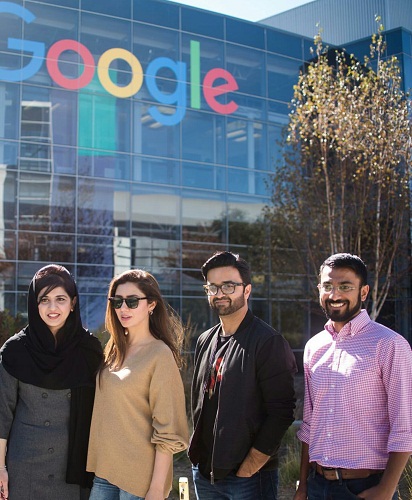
column 335, row 474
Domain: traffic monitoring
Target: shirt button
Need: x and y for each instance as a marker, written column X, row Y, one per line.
column 51, row 450
column 47, row 423
column 51, row 476
column 329, row 434
column 331, row 410
column 69, row 395
column 44, row 395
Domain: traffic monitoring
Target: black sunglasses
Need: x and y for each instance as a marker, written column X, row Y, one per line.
column 131, row 302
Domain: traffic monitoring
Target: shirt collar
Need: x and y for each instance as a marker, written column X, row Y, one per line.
column 352, row 327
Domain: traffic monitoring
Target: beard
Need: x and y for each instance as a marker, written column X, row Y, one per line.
column 342, row 314
column 227, row 305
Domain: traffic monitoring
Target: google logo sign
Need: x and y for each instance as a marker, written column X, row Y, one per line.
column 216, row 82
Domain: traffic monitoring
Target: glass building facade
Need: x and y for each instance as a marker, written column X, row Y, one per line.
column 142, row 133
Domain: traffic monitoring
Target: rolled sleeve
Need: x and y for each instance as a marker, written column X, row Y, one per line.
column 8, row 400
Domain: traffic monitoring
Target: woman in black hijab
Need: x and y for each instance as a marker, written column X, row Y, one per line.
column 47, row 383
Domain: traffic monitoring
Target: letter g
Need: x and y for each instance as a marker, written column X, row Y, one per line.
column 36, row 48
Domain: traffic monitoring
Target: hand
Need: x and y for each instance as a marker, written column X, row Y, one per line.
column 155, row 494
column 252, row 463
column 4, row 485
column 376, row 493
column 301, row 493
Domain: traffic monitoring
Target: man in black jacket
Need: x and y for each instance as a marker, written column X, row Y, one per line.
column 242, row 392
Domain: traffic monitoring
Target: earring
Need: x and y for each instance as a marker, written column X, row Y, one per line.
column 151, row 312
column 126, row 333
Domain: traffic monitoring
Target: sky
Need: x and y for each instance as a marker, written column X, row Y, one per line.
column 251, row 10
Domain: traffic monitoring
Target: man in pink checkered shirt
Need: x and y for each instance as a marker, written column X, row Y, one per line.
column 357, row 422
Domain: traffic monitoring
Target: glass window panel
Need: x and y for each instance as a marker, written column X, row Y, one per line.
column 199, row 223
column 7, row 250
column 153, row 138
column 284, row 43
column 203, row 137
column 246, row 144
column 155, row 212
column 169, row 283
column 156, row 170
column 245, row 33
column 46, row 202
column 252, row 108
column 278, row 112
column 276, row 145
column 35, row 157
column 8, row 193
column 151, row 42
column 103, row 207
column 11, row 26
column 203, row 176
column 9, row 110
column 103, row 164
column 93, row 306
column 248, row 67
column 192, row 281
column 116, row 9
column 155, row 252
column 101, row 33
column 282, row 74
column 61, row 3
column 8, row 156
column 104, row 121
column 159, row 13
column 202, row 23
column 64, row 160
column 47, row 247
column 247, row 208
column 96, row 250
column 194, row 255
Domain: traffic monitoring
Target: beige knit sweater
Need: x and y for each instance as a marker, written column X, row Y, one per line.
column 137, row 410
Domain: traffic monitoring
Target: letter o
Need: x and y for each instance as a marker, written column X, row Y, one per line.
column 52, row 64
column 103, row 71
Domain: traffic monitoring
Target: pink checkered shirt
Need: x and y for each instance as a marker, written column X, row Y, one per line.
column 358, row 395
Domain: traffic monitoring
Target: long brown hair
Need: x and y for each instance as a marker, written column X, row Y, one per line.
column 164, row 323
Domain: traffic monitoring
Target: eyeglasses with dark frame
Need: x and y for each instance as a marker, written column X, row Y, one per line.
column 227, row 288
column 131, row 302
column 328, row 288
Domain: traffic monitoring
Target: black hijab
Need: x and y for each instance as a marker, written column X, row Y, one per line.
column 34, row 357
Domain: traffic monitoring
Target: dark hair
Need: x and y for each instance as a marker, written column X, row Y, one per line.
column 348, row 261
column 227, row 259
column 53, row 276
column 164, row 323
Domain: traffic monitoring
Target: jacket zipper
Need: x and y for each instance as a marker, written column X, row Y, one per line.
column 212, row 475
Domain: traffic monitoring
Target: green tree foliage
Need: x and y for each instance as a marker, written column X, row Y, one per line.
column 344, row 184
column 9, row 325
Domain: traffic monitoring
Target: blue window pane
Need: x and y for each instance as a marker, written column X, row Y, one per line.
column 248, row 67
column 144, row 47
column 202, row 23
column 102, row 207
column 119, row 8
column 74, row 4
column 253, row 108
column 100, row 33
column 284, row 43
column 155, row 212
column 103, row 164
column 203, row 176
column 246, row 144
column 245, row 33
column 203, row 137
column 64, row 160
column 151, row 137
column 46, row 247
column 282, row 74
column 11, row 26
column 394, row 42
column 9, row 200
column 156, row 170
column 8, row 155
column 199, row 224
column 9, row 109
column 159, row 13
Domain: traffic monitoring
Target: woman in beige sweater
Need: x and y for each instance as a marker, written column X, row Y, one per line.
column 139, row 417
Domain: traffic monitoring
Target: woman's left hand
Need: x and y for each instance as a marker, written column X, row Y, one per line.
column 155, row 494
